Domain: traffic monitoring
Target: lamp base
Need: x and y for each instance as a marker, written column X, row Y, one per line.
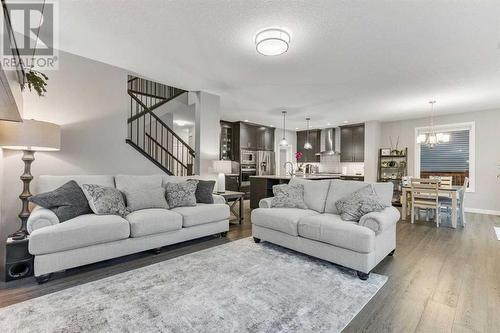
column 221, row 183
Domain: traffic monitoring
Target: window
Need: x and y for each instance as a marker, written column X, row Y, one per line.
column 454, row 158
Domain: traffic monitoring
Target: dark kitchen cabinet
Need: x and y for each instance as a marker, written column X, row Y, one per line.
column 309, row 155
column 269, row 139
column 248, row 136
column 226, row 149
column 352, row 143
column 260, row 137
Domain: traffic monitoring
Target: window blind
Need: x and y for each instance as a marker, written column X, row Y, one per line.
column 452, row 156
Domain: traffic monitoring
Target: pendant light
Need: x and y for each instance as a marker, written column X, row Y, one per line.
column 432, row 139
column 283, row 141
column 307, row 145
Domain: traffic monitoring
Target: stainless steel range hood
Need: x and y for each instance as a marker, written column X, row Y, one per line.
column 328, row 142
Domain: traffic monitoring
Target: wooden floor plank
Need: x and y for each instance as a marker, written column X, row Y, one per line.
column 436, row 317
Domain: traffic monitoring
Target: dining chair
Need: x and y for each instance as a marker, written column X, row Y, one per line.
column 446, row 203
column 425, row 195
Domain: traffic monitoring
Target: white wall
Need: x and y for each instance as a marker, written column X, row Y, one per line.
column 372, row 144
column 207, row 112
column 487, row 190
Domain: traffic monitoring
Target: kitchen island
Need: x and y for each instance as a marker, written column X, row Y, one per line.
column 262, row 186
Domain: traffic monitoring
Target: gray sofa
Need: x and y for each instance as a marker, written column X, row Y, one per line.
column 320, row 232
column 91, row 238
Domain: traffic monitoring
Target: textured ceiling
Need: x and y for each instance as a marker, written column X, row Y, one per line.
column 348, row 60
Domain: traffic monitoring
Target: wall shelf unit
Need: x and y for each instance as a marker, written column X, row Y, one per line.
column 392, row 168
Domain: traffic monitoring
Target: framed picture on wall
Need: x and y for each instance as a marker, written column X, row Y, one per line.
column 385, row 151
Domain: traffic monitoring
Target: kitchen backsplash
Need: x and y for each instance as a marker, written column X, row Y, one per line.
column 352, row 169
column 330, row 163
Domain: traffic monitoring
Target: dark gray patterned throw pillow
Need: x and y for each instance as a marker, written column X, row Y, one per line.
column 181, row 194
column 204, row 191
column 67, row 201
column 105, row 200
column 288, row 196
column 359, row 203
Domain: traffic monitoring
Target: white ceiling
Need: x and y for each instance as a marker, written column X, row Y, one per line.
column 348, row 60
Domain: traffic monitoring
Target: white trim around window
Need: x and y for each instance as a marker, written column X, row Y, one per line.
column 471, row 126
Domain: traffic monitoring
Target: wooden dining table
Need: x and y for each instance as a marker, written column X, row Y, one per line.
column 449, row 191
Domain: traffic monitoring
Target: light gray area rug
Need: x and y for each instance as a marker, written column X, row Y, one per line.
column 236, row 287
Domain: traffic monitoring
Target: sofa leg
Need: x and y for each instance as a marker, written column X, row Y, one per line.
column 223, row 234
column 43, row 278
column 157, row 250
column 363, row 276
column 256, row 240
column 392, row 253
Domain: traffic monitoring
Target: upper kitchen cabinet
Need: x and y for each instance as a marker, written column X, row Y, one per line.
column 265, row 138
column 239, row 135
column 352, row 143
column 248, row 136
column 309, row 155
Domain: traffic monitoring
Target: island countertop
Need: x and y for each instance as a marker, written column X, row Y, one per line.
column 311, row 177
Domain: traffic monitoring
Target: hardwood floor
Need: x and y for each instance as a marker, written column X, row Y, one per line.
column 440, row 280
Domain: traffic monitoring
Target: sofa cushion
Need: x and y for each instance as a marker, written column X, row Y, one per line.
column 357, row 204
column 315, row 192
column 105, row 200
column 153, row 221
column 138, row 198
column 181, row 194
column 288, row 196
column 204, row 191
column 67, row 201
column 202, row 213
column 280, row 219
column 341, row 188
column 84, row 230
column 329, row 228
column 129, row 181
column 49, row 183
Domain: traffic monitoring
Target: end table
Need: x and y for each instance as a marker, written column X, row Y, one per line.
column 18, row 261
column 232, row 198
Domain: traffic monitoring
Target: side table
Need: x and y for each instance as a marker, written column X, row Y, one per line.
column 18, row 261
column 232, row 198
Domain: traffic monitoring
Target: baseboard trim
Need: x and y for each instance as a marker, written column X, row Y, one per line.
column 482, row 211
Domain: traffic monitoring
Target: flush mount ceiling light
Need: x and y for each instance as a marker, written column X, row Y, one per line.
column 272, row 41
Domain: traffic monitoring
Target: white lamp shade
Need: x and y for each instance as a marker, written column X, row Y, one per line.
column 222, row 166
column 30, row 135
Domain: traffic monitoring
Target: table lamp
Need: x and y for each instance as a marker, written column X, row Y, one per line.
column 221, row 167
column 28, row 136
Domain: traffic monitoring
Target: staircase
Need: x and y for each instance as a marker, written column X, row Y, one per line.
column 149, row 134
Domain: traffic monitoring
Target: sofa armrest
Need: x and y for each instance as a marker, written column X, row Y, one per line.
column 265, row 203
column 219, row 199
column 41, row 218
column 380, row 221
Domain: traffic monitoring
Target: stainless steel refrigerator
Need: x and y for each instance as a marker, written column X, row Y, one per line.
column 265, row 163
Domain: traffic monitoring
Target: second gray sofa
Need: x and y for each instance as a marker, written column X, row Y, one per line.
column 320, row 232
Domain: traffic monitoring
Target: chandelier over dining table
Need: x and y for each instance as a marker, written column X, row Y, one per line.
column 431, row 138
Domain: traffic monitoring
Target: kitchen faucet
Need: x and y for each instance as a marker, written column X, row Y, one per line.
column 307, row 169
